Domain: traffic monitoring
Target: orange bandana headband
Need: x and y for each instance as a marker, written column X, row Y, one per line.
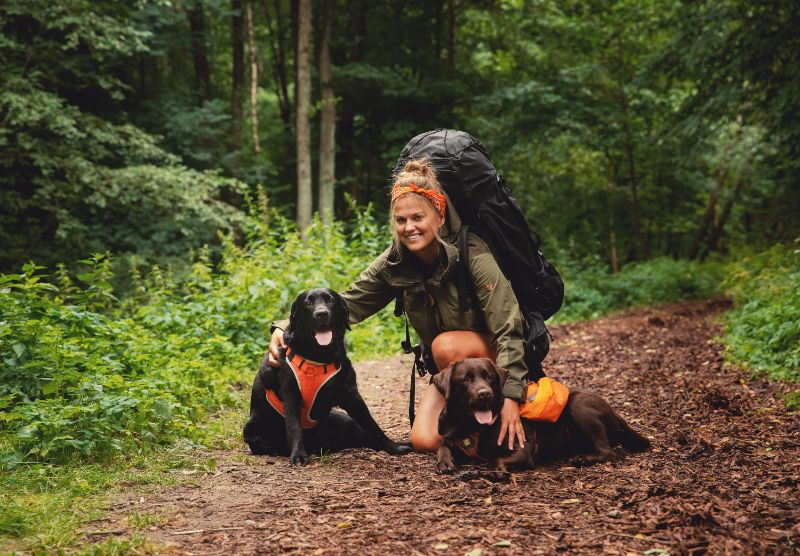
column 438, row 200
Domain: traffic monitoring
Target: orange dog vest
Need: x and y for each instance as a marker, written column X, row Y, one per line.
column 544, row 400
column 311, row 377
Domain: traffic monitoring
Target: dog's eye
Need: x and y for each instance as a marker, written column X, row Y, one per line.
column 308, row 303
column 468, row 377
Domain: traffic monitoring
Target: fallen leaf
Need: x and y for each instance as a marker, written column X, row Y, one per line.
column 502, row 544
column 441, row 546
column 476, row 552
column 570, row 501
column 344, row 525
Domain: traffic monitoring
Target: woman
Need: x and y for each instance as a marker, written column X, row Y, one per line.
column 421, row 263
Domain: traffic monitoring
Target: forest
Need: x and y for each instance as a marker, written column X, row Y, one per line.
column 159, row 156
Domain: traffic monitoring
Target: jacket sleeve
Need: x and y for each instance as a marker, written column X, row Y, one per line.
column 503, row 318
column 369, row 293
column 366, row 296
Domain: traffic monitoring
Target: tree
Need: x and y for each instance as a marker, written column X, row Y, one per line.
column 251, row 51
column 303, row 96
column 202, row 76
column 237, row 49
column 327, row 141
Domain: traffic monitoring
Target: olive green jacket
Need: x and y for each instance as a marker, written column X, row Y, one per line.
column 432, row 304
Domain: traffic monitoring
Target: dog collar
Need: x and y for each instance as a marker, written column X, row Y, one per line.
column 308, row 366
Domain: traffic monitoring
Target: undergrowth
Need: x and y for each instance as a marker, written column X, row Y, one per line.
column 762, row 332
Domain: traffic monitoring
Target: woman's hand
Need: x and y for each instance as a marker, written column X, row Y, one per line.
column 511, row 424
column 275, row 344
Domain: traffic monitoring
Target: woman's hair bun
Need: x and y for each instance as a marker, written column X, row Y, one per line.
column 421, row 168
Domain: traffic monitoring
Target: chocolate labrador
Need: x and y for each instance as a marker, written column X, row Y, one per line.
column 587, row 427
column 291, row 406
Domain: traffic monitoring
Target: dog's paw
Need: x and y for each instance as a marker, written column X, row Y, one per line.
column 499, row 466
column 445, row 467
column 399, row 448
column 299, row 458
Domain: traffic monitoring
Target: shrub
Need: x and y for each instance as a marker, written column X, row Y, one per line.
column 86, row 374
column 763, row 330
column 592, row 291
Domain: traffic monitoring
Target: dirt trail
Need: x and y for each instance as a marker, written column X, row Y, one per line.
column 722, row 476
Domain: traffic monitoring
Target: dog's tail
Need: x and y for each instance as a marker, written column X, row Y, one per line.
column 630, row 439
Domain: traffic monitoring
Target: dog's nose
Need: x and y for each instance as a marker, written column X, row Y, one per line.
column 322, row 314
column 484, row 394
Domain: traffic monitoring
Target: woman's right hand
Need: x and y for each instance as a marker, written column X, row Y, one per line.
column 275, row 344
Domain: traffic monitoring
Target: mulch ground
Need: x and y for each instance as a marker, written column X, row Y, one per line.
column 721, row 478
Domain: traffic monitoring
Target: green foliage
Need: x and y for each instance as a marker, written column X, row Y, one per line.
column 85, row 374
column 77, row 177
column 592, row 291
column 763, row 330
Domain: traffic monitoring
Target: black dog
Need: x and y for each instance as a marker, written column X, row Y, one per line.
column 314, row 356
column 587, row 428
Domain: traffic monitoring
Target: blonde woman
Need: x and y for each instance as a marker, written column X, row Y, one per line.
column 421, row 263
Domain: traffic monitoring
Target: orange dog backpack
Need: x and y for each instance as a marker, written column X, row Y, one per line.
column 544, row 401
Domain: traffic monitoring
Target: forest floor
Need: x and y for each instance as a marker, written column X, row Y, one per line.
column 722, row 476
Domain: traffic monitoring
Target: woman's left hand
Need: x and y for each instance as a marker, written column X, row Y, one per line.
column 510, row 423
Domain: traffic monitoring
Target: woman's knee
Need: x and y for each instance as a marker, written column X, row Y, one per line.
column 424, row 441
column 456, row 345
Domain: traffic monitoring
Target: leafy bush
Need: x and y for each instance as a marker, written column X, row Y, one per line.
column 592, row 291
column 763, row 330
column 85, row 374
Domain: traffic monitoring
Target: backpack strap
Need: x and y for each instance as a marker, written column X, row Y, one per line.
column 467, row 298
column 419, row 365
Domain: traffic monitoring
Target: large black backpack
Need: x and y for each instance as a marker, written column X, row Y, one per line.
column 486, row 207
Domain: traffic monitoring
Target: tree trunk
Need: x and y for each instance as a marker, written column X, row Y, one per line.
column 277, row 34
column 237, row 42
column 251, row 50
column 327, row 140
column 637, row 225
column 612, row 234
column 451, row 43
column 197, row 26
column 303, row 102
column 357, row 30
column 708, row 215
column 716, row 231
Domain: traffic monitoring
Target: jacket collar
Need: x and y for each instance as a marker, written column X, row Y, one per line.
column 402, row 268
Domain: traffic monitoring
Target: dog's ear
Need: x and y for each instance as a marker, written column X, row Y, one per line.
column 344, row 312
column 295, row 306
column 442, row 380
column 501, row 372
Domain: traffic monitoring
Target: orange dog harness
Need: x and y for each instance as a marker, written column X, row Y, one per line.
column 311, row 377
column 468, row 446
column 544, row 400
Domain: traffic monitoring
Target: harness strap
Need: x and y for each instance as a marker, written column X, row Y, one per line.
column 309, row 366
column 466, row 293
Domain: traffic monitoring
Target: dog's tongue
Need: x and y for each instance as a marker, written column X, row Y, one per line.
column 483, row 416
column 324, row 337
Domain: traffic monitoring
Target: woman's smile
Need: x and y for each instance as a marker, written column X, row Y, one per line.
column 417, row 227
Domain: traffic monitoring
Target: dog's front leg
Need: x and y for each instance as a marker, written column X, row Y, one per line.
column 521, row 458
column 355, row 406
column 292, row 404
column 444, row 460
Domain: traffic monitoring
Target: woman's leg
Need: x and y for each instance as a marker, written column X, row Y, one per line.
column 447, row 348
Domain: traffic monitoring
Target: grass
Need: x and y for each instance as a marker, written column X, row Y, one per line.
column 43, row 507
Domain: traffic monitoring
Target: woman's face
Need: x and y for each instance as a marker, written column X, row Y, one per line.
column 417, row 225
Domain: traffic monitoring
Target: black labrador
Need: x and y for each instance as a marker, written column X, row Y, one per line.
column 315, row 357
column 587, row 428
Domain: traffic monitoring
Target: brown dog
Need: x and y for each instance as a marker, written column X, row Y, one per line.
column 587, row 428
